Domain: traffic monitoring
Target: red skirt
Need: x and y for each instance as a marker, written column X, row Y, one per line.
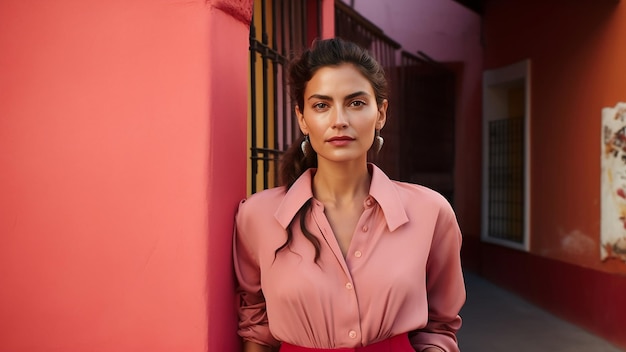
column 398, row 343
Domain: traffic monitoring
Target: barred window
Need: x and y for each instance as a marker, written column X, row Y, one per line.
column 506, row 144
column 278, row 28
column 506, row 180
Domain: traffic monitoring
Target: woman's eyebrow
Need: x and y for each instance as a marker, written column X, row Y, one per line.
column 349, row 96
column 320, row 97
column 356, row 94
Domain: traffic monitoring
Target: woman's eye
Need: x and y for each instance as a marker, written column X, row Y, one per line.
column 357, row 103
column 320, row 106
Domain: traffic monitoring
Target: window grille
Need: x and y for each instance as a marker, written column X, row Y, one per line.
column 506, row 180
column 278, row 28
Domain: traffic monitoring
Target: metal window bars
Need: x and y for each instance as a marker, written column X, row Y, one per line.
column 506, row 182
column 278, row 28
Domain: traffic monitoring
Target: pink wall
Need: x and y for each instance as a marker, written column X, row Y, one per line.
column 115, row 224
column 449, row 33
column 229, row 77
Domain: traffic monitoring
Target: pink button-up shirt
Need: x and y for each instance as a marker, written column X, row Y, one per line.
column 402, row 272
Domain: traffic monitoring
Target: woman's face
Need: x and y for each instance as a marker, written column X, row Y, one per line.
column 340, row 114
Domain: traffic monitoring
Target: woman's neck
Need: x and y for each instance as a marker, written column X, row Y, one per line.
column 337, row 184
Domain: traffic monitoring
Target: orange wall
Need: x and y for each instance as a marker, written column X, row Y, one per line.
column 115, row 117
column 577, row 68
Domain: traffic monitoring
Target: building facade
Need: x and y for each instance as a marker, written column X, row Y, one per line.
column 131, row 129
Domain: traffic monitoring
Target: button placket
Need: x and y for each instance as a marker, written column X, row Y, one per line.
column 351, row 320
column 364, row 227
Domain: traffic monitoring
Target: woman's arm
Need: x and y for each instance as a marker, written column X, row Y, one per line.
column 445, row 287
column 253, row 324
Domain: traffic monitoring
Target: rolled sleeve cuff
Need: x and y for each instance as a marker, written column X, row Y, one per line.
column 444, row 342
column 260, row 335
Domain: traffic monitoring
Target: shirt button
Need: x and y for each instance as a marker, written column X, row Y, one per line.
column 358, row 254
column 352, row 334
column 365, row 228
column 349, row 286
column 369, row 202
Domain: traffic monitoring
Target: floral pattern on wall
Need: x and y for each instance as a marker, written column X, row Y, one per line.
column 613, row 183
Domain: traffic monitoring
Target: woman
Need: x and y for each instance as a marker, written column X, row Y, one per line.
column 342, row 258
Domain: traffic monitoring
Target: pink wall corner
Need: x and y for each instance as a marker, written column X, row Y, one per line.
column 228, row 124
column 116, row 161
column 240, row 10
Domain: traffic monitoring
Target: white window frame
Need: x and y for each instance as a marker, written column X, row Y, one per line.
column 495, row 105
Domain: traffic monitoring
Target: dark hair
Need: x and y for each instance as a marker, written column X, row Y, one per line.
column 323, row 53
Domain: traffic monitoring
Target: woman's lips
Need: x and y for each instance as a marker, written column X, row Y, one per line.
column 340, row 141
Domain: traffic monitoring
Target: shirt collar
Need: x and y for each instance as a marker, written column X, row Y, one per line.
column 382, row 189
column 386, row 194
column 300, row 192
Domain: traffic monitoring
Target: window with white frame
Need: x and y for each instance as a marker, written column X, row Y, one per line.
column 506, row 170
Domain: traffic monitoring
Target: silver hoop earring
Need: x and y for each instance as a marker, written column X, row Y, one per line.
column 379, row 141
column 304, row 143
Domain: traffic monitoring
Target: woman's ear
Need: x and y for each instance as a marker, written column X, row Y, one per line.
column 301, row 122
column 382, row 114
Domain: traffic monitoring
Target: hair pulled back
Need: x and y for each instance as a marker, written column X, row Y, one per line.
column 323, row 53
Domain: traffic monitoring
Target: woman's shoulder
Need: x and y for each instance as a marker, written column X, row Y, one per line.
column 264, row 201
column 256, row 216
column 413, row 192
column 425, row 203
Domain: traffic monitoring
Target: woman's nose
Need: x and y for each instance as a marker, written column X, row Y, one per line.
column 340, row 119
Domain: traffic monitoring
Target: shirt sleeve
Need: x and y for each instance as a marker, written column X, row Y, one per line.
column 445, row 287
column 253, row 322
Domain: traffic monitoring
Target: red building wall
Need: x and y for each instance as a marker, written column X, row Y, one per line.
column 122, row 138
column 577, row 68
